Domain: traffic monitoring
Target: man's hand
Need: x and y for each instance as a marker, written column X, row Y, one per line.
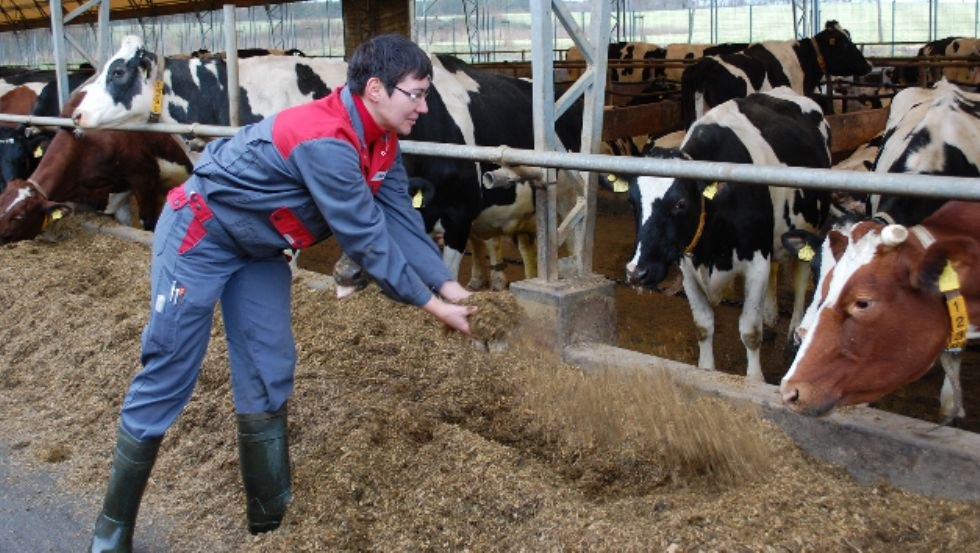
column 452, row 315
column 453, row 291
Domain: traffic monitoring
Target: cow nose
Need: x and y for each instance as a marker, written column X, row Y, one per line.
column 634, row 274
column 791, row 396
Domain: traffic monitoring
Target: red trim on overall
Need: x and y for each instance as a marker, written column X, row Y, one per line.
column 328, row 118
column 291, row 228
column 178, row 198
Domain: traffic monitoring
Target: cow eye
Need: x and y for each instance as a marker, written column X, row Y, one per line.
column 861, row 304
column 679, row 207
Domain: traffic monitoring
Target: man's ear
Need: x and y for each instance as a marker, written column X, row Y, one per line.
column 374, row 89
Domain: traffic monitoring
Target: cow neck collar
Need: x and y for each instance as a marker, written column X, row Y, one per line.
column 700, row 230
column 822, row 63
column 156, row 106
column 37, row 188
column 949, row 285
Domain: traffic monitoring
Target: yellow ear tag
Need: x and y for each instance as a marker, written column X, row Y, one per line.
column 948, row 279
column 56, row 214
column 157, row 103
column 710, row 191
column 38, row 152
column 621, row 185
column 806, row 253
column 417, row 199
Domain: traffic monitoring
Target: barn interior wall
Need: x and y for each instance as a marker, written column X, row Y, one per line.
column 364, row 19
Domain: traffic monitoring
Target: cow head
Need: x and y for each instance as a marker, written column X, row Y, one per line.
column 123, row 92
column 667, row 215
column 881, row 322
column 840, row 54
column 24, row 211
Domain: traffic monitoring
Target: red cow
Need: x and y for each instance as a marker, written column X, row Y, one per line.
column 884, row 320
column 87, row 168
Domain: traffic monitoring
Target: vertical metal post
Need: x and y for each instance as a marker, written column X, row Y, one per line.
column 816, row 26
column 104, row 35
column 231, row 63
column 543, row 105
column 58, row 45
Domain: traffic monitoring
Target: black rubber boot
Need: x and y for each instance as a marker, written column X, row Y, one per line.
column 131, row 465
column 263, row 449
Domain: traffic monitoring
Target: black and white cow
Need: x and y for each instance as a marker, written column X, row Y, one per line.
column 481, row 108
column 628, row 53
column 717, row 230
column 798, row 64
column 195, row 89
column 956, row 47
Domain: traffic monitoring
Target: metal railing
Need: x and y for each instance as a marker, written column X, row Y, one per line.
column 798, row 177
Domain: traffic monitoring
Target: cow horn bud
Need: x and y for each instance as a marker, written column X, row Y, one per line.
column 893, row 235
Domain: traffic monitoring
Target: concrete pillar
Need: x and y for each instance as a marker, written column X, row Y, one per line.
column 565, row 312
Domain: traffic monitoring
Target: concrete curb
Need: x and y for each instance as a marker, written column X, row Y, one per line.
column 872, row 445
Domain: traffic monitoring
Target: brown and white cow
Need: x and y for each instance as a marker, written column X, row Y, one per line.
column 87, row 168
column 883, row 320
column 930, row 131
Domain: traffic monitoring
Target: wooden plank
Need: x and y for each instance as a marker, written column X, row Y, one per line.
column 850, row 130
column 658, row 117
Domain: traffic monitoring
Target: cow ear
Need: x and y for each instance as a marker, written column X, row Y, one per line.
column 960, row 253
column 801, row 243
column 838, row 243
column 146, row 61
column 710, row 189
column 56, row 210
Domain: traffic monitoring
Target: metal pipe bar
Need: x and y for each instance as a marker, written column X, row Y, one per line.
column 798, row 177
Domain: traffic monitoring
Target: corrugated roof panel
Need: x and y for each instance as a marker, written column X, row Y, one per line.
column 17, row 15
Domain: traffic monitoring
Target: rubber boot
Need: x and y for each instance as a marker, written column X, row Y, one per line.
column 131, row 465
column 263, row 450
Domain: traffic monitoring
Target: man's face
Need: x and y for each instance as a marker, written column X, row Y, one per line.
column 400, row 110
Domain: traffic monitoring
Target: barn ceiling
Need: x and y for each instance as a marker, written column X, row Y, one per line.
column 17, row 15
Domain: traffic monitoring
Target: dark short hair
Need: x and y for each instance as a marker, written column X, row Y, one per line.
column 390, row 58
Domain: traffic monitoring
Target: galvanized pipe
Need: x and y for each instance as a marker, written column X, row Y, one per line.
column 798, row 177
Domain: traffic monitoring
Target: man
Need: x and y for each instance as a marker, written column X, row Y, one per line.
column 331, row 165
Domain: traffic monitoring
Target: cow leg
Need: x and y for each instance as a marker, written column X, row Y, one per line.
column 529, row 254
column 801, row 278
column 118, row 206
column 498, row 278
column 703, row 313
column 750, row 322
column 770, row 308
column 478, row 265
column 951, row 396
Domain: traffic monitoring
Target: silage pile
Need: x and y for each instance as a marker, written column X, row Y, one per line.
column 408, row 438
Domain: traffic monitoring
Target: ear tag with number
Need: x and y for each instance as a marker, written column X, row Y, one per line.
column 710, row 191
column 948, row 279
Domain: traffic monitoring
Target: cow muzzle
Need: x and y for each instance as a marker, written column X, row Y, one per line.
column 349, row 277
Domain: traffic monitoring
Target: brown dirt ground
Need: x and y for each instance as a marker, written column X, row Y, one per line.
column 407, row 438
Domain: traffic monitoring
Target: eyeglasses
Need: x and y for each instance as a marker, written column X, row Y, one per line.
column 414, row 95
